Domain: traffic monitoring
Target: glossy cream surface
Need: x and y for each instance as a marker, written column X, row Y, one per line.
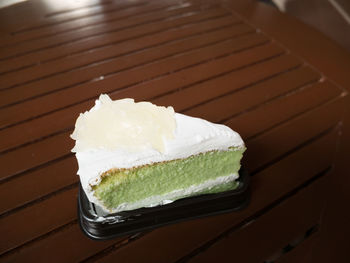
column 123, row 124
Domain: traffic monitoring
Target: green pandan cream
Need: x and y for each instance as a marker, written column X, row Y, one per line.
column 171, row 180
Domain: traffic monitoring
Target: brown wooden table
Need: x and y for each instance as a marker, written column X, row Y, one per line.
column 280, row 84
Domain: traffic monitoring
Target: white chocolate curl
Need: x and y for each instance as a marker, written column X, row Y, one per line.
column 124, row 124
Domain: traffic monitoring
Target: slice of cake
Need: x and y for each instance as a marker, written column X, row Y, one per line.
column 134, row 155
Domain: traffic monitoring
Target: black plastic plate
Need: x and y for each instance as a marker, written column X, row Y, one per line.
column 98, row 225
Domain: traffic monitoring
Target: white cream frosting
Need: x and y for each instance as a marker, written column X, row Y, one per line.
column 189, row 136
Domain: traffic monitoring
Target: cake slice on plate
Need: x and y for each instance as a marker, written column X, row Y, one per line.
column 134, row 155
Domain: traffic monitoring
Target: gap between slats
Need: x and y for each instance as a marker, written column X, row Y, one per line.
column 297, row 252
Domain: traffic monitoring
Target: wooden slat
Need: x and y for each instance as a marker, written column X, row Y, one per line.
column 291, row 135
column 31, row 59
column 34, row 221
column 61, row 15
column 33, row 17
column 272, row 231
column 38, row 183
column 50, row 23
column 313, row 96
column 124, row 62
column 80, row 93
column 88, row 21
column 67, row 245
column 174, row 83
column 203, row 92
column 303, row 40
column 335, row 64
column 240, row 101
column 93, row 43
column 96, row 46
column 98, row 54
column 96, row 36
column 267, row 186
column 35, row 154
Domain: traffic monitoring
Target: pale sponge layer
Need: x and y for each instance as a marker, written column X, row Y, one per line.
column 155, row 184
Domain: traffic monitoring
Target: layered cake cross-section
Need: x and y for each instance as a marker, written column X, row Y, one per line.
column 136, row 154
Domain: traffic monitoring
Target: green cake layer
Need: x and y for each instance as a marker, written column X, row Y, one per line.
column 120, row 186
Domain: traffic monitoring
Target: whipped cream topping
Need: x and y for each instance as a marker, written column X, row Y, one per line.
column 191, row 136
